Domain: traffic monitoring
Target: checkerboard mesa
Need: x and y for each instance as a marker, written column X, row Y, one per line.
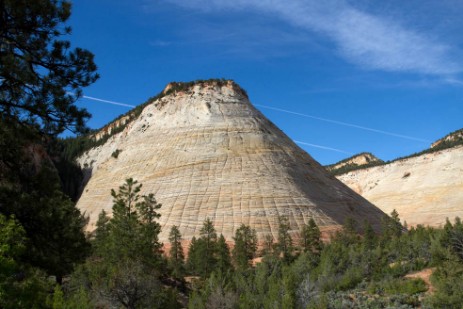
column 205, row 151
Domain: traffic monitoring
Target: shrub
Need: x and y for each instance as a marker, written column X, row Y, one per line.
column 116, row 153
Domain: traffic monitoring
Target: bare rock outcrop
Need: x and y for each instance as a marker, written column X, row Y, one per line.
column 424, row 189
column 206, row 152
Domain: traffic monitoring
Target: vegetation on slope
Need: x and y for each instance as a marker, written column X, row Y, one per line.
column 347, row 166
column 127, row 268
column 41, row 230
column 73, row 147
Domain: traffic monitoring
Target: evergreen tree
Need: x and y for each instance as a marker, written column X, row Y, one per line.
column 53, row 225
column 193, row 259
column 268, row 245
column 21, row 286
column 133, row 228
column 39, row 70
column 245, row 246
column 391, row 226
column 285, row 242
column 126, row 264
column 456, row 238
column 223, row 263
column 176, row 256
column 310, row 237
column 207, row 248
column 369, row 236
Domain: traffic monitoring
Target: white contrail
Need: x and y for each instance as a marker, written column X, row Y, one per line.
column 298, row 142
column 106, row 101
column 294, row 113
column 346, row 124
column 324, row 147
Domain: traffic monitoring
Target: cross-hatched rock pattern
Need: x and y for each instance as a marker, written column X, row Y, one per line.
column 206, row 152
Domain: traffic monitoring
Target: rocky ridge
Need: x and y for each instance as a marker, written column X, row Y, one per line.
column 355, row 162
column 205, row 152
column 452, row 138
column 424, row 189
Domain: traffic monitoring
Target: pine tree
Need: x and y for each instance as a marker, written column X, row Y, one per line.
column 133, row 227
column 245, row 246
column 285, row 242
column 310, row 237
column 391, row 226
column 193, row 259
column 223, row 256
column 176, row 256
column 369, row 236
column 126, row 264
column 207, row 248
column 268, row 245
column 38, row 69
column 53, row 225
column 21, row 286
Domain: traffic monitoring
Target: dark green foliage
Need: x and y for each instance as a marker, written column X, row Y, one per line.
column 21, row 286
column 223, row 259
column 176, row 256
column 310, row 237
column 133, row 229
column 207, row 244
column 448, row 280
column 391, row 227
column 245, row 246
column 116, row 153
column 352, row 167
column 38, row 68
column 393, row 286
column 351, row 271
column 126, row 264
column 194, row 257
column 285, row 242
column 208, row 254
column 268, row 246
column 53, row 225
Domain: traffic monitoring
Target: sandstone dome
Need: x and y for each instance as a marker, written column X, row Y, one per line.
column 204, row 151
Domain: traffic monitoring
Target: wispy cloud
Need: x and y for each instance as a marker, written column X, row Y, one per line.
column 371, row 41
column 160, row 43
column 454, row 81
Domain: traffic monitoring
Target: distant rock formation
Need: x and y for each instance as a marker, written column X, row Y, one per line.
column 364, row 159
column 424, row 189
column 205, row 152
column 450, row 139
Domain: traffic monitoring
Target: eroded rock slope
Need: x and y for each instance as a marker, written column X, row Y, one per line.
column 206, row 152
column 425, row 189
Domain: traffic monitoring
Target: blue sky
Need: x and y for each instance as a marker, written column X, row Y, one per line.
column 340, row 77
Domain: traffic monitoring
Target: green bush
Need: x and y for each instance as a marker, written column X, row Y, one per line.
column 392, row 286
column 116, row 153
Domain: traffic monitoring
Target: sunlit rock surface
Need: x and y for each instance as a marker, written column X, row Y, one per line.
column 425, row 189
column 206, row 152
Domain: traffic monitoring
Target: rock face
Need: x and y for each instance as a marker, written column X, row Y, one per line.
column 425, row 189
column 454, row 138
column 206, row 152
column 354, row 162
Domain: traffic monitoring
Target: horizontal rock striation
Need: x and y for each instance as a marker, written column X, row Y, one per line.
column 206, row 152
column 425, row 189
